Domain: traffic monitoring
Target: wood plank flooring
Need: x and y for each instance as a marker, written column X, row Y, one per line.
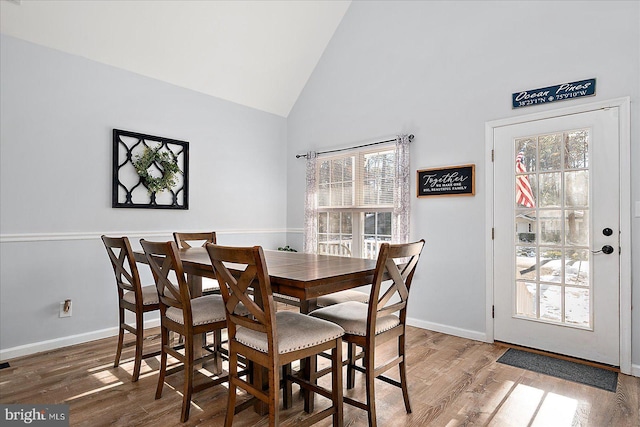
column 452, row 382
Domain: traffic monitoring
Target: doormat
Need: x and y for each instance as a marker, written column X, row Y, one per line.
column 576, row 372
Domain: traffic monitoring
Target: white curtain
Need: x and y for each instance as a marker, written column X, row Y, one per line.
column 310, row 244
column 401, row 196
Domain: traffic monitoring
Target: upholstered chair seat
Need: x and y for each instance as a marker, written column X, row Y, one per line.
column 352, row 316
column 149, row 296
column 295, row 331
column 206, row 309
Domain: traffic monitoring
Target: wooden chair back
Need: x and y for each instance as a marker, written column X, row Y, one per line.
column 242, row 274
column 168, row 272
column 124, row 266
column 186, row 240
column 396, row 264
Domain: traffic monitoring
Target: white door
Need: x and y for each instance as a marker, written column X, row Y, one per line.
column 556, row 241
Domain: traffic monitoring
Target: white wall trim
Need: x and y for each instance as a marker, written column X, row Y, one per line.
column 625, row 214
column 27, row 349
column 446, row 329
column 92, row 235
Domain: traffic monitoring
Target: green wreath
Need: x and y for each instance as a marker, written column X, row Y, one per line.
column 165, row 161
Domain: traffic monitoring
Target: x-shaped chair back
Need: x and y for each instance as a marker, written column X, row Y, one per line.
column 241, row 273
column 123, row 263
column 185, row 240
column 396, row 263
column 163, row 258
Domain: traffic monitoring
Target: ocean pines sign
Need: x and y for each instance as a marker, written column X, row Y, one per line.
column 555, row 93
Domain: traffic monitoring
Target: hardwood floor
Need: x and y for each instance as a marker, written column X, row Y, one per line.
column 452, row 382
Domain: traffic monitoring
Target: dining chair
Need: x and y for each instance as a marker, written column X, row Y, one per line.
column 181, row 314
column 132, row 296
column 367, row 325
column 199, row 239
column 209, row 286
column 271, row 339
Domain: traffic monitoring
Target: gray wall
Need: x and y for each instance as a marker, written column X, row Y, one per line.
column 58, row 112
column 441, row 70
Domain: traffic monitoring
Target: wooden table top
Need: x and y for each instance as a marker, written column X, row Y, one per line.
column 301, row 275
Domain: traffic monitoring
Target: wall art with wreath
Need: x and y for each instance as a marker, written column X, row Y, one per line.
column 149, row 171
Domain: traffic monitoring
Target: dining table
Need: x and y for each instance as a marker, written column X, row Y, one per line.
column 295, row 274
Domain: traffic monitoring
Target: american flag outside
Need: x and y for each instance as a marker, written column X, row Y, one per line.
column 524, row 193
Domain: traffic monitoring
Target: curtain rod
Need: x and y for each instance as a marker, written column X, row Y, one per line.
column 351, row 148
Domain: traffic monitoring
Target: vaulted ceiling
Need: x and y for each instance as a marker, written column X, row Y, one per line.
column 255, row 53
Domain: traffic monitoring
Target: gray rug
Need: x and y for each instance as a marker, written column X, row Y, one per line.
column 584, row 374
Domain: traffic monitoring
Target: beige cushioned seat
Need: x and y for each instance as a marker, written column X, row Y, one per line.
column 207, row 309
column 352, row 316
column 342, row 296
column 295, row 332
column 149, row 296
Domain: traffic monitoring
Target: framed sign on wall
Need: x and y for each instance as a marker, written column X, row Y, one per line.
column 149, row 171
column 447, row 181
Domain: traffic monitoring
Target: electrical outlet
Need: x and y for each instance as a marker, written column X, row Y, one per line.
column 65, row 308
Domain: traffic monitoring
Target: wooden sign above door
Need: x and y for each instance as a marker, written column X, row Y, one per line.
column 555, row 93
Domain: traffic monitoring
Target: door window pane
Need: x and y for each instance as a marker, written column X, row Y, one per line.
column 576, row 186
column 550, row 152
column 550, row 190
column 526, row 226
column 577, row 306
column 527, row 146
column 550, row 227
column 551, row 302
column 576, row 227
column 526, row 263
column 577, row 267
column 526, row 304
column 577, row 149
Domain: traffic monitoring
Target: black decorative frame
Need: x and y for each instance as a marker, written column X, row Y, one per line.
column 447, row 181
column 127, row 185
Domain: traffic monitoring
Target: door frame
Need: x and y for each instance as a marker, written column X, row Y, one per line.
column 623, row 104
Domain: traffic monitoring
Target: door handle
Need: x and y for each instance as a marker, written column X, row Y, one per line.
column 606, row 249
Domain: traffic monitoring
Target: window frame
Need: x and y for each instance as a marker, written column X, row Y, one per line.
column 357, row 211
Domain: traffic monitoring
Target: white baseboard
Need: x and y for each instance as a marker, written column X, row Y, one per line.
column 635, row 370
column 449, row 330
column 27, row 349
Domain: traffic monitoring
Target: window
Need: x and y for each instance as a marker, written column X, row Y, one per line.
column 355, row 202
